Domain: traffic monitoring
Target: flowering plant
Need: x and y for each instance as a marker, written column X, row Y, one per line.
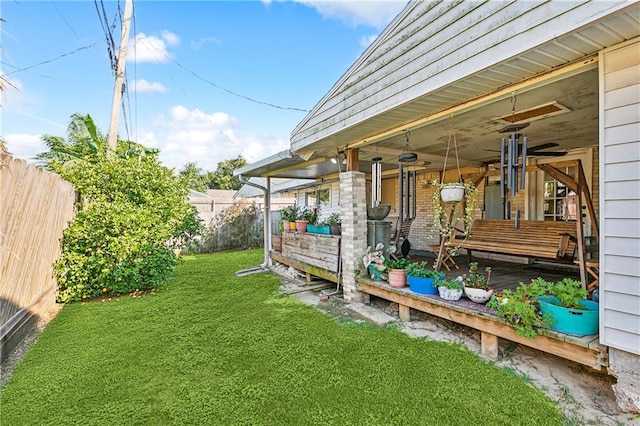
column 375, row 257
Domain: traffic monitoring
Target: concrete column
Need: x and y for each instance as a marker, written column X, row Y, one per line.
column 625, row 367
column 353, row 213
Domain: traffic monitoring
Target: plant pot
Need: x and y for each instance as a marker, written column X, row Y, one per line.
column 301, row 225
column 276, row 243
column 397, row 278
column 336, row 228
column 450, row 293
column 375, row 274
column 319, row 229
column 574, row 321
column 452, row 194
column 292, row 225
column 379, row 212
column 478, row 295
column 422, row 285
column 286, row 225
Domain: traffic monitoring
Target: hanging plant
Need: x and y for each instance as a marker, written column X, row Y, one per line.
column 446, row 222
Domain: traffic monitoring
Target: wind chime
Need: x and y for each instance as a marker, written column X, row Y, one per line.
column 376, row 181
column 513, row 162
column 406, row 184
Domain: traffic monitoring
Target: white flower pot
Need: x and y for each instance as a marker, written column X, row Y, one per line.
column 452, row 194
column 450, row 293
column 478, row 295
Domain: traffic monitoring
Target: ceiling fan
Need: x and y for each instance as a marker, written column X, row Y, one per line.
column 538, row 150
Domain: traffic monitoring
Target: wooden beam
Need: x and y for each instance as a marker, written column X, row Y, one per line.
column 352, row 160
column 405, row 313
column 489, row 345
column 313, row 270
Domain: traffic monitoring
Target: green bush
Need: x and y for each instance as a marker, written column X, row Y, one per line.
column 132, row 216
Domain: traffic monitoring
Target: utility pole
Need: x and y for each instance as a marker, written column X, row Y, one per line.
column 119, row 85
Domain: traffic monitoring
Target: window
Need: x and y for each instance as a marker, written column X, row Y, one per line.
column 559, row 201
column 317, row 197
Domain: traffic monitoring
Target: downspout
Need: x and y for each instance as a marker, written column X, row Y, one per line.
column 267, row 216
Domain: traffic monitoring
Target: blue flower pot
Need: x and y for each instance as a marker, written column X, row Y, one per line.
column 573, row 321
column 375, row 274
column 422, row 285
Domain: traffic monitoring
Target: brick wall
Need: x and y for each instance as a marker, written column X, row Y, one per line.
column 353, row 213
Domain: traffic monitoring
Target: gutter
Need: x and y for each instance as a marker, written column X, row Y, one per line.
column 267, row 216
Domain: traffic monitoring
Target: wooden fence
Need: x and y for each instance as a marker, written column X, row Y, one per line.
column 35, row 207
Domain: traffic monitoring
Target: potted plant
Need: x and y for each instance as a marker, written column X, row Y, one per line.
column 519, row 307
column 422, row 277
column 565, row 303
column 334, row 223
column 374, row 261
column 450, row 289
column 397, row 275
column 289, row 215
column 476, row 284
column 445, row 222
column 305, row 216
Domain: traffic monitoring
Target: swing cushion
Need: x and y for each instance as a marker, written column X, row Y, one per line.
column 535, row 239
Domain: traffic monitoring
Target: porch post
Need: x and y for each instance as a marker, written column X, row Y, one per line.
column 353, row 213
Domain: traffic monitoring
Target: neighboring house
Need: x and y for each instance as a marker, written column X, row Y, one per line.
column 569, row 69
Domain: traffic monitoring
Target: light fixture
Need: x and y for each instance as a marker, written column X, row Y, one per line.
column 406, row 156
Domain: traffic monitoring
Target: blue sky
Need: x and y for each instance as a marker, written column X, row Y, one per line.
column 284, row 53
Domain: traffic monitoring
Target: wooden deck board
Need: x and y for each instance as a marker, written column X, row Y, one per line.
column 577, row 349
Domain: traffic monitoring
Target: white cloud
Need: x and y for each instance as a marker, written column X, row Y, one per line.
column 143, row 86
column 365, row 41
column 186, row 135
column 206, row 40
column 24, row 146
column 150, row 48
column 372, row 13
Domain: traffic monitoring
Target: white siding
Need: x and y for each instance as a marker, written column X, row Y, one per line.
column 620, row 197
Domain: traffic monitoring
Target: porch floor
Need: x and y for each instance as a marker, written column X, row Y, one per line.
column 507, row 275
column 585, row 350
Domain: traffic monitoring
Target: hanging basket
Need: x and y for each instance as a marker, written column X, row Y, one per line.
column 452, row 193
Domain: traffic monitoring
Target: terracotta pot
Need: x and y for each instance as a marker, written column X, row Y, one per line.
column 301, row 225
column 397, row 278
column 286, row 225
column 276, row 242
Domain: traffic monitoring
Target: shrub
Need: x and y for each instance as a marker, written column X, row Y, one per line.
column 132, row 215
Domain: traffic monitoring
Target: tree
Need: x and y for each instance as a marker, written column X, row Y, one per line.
column 84, row 143
column 193, row 176
column 223, row 177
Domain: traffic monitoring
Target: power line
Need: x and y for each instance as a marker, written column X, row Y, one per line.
column 224, row 88
column 54, row 59
column 64, row 19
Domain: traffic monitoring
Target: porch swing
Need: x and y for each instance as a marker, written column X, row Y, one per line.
column 545, row 240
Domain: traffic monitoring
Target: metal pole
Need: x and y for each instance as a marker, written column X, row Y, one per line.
column 119, row 84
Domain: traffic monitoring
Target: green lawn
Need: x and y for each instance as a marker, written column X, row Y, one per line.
column 211, row 348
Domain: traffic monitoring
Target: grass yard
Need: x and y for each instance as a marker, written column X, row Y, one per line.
column 211, row 348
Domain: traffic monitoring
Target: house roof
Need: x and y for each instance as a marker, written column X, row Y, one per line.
column 458, row 66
